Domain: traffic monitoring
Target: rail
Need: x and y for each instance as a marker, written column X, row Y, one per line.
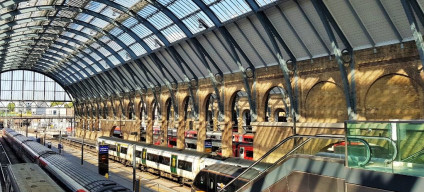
column 145, row 184
column 308, row 138
column 4, row 162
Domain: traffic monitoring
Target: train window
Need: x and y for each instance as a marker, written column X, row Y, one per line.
column 152, row 157
column 249, row 154
column 137, row 153
column 185, row 165
column 124, row 150
column 211, row 183
column 173, row 143
column 112, row 147
column 250, row 140
column 164, row 160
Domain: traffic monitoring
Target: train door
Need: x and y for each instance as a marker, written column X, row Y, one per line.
column 174, row 164
column 241, row 152
column 118, row 149
column 143, row 156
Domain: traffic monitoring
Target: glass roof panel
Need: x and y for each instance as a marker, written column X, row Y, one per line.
column 95, row 6
column 124, row 54
column 114, row 45
column 153, row 42
column 84, row 17
column 95, row 56
column 264, row 2
column 138, row 49
column 192, row 22
column 100, row 23
column 104, row 64
column 97, row 68
column 111, row 12
column 127, row 3
column 127, row 39
column 141, row 30
column 160, row 20
column 104, row 51
column 75, row 26
column 80, row 38
column 180, row 8
column 147, row 11
column 173, row 33
column 228, row 9
column 87, row 60
column 130, row 22
column 115, row 31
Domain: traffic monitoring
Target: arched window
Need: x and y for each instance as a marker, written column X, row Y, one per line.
column 28, row 93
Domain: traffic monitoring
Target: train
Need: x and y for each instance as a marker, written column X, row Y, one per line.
column 73, row 177
column 178, row 164
column 25, row 177
column 215, row 177
column 242, row 143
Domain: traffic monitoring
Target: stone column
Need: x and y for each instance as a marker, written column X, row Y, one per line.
column 164, row 135
column 201, row 135
column 149, row 131
column 180, row 134
column 227, row 138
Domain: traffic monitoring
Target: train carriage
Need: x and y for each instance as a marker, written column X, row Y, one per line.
column 73, row 177
column 170, row 162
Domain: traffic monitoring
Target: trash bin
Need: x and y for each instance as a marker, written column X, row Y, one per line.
column 49, row 145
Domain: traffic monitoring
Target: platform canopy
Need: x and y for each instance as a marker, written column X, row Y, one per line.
column 99, row 48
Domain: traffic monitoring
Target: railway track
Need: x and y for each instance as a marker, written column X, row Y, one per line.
column 4, row 161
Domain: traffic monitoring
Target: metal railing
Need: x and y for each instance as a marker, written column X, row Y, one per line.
column 308, row 138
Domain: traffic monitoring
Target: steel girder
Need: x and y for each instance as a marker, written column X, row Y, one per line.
column 180, row 61
column 410, row 9
column 330, row 24
column 202, row 54
column 234, row 48
column 118, row 41
column 160, row 66
column 274, row 37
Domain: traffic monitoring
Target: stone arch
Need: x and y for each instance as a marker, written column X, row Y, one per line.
column 276, row 103
column 235, row 111
column 277, row 116
column 116, row 131
column 394, row 96
column 208, row 110
column 130, row 111
column 325, row 102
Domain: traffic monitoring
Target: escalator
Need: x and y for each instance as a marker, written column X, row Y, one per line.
column 303, row 169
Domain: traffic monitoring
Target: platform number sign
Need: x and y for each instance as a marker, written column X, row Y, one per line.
column 103, row 159
column 174, row 164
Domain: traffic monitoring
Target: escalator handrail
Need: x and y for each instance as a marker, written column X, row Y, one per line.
column 391, row 141
column 276, row 147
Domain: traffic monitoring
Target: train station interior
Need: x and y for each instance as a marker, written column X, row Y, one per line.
column 285, row 84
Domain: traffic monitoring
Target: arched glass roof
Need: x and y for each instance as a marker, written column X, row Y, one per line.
column 127, row 45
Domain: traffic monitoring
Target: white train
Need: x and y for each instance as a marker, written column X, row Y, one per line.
column 170, row 162
column 72, row 176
